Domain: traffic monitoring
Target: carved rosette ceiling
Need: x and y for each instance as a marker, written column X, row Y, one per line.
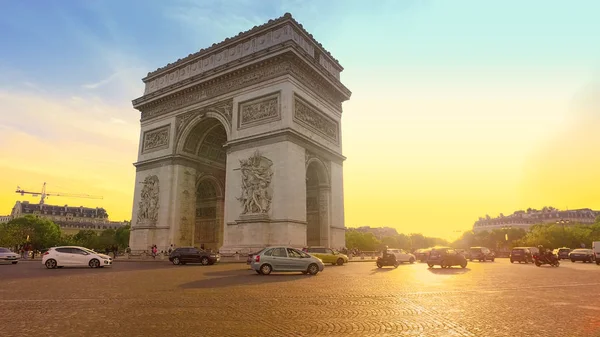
column 149, row 202
column 156, row 139
column 259, row 110
column 257, row 193
column 251, row 75
column 316, row 121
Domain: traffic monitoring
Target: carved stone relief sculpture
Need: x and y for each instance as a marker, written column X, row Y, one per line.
column 258, row 111
column 149, row 203
column 257, row 174
column 156, row 139
column 315, row 120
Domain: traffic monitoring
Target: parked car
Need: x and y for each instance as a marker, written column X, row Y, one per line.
column 402, row 255
column 73, row 256
column 583, row 255
column 521, row 254
column 446, row 257
column 563, row 253
column 285, row 259
column 596, row 249
column 185, row 255
column 7, row 256
column 482, row 254
column 327, row 255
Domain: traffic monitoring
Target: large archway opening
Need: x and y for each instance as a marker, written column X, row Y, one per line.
column 204, row 143
column 317, row 204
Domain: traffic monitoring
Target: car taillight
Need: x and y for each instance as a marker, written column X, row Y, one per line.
column 257, row 258
column 46, row 253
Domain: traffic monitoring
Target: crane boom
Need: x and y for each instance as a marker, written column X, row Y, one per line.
column 43, row 195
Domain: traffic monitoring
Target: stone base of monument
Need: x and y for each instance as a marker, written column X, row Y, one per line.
column 253, row 232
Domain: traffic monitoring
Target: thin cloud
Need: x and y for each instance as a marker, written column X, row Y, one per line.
column 102, row 82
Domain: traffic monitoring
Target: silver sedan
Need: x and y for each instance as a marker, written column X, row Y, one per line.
column 7, row 256
column 285, row 259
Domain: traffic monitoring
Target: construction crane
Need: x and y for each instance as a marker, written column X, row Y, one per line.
column 43, row 194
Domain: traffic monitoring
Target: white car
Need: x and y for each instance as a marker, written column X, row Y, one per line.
column 73, row 256
column 402, row 255
column 7, row 256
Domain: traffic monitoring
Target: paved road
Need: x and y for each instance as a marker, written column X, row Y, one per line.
column 158, row 299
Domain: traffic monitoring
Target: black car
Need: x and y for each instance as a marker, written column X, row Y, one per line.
column 445, row 257
column 521, row 254
column 183, row 255
column 482, row 254
column 563, row 253
column 583, row 255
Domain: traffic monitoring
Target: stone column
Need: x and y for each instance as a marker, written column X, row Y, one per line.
column 324, row 223
column 183, row 206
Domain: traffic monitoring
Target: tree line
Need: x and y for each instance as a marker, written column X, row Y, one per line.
column 548, row 235
column 41, row 233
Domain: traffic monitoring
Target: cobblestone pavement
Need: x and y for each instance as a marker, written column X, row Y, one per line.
column 142, row 299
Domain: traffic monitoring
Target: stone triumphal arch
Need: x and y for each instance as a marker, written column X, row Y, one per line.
column 240, row 146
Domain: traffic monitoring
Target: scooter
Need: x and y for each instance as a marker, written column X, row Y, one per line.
column 387, row 260
column 549, row 259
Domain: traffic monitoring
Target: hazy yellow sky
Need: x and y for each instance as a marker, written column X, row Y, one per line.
column 453, row 116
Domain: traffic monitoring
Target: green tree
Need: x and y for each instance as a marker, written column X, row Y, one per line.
column 87, row 238
column 362, row 241
column 42, row 233
column 122, row 236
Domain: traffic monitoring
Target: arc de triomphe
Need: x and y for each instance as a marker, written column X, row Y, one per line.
column 240, row 146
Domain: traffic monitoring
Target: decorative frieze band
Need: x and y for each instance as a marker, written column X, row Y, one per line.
column 251, row 75
column 313, row 119
column 156, row 139
column 259, row 110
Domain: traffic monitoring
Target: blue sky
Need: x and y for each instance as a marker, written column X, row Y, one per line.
column 437, row 81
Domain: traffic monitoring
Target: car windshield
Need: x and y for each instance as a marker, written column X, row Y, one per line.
column 564, row 250
column 88, row 250
column 581, row 251
column 518, row 250
column 4, row 250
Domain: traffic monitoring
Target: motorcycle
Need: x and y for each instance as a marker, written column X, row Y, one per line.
column 549, row 259
column 387, row 260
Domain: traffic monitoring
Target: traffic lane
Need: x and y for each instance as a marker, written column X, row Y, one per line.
column 356, row 299
column 35, row 269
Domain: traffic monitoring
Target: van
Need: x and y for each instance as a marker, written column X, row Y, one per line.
column 596, row 249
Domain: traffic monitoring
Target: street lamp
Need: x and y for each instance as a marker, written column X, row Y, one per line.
column 563, row 223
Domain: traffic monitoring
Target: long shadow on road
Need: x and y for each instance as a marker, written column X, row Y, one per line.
column 448, row 271
column 231, row 278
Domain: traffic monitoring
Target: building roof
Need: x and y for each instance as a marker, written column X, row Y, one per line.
column 287, row 17
column 80, row 211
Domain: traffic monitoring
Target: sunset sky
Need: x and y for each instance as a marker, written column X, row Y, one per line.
column 459, row 108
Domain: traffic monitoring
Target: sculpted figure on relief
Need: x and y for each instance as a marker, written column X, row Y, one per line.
column 256, row 181
column 148, row 206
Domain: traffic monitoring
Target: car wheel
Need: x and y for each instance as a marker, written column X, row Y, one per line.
column 464, row 265
column 94, row 263
column 591, row 259
column 443, row 264
column 266, row 269
column 204, row 261
column 492, row 260
column 379, row 265
column 430, row 265
column 15, row 262
column 176, row 261
column 340, row 262
column 411, row 260
column 598, row 262
column 313, row 269
column 396, row 264
column 572, row 260
column 512, row 261
column 50, row 263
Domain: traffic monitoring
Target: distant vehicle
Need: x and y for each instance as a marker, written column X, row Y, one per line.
column 521, row 254
column 583, row 255
column 285, row 259
column 482, row 254
column 327, row 255
column 422, row 254
column 596, row 249
column 185, row 255
column 73, row 256
column 401, row 255
column 563, row 253
column 446, row 257
column 533, row 250
column 7, row 256
column 387, row 260
column 549, row 259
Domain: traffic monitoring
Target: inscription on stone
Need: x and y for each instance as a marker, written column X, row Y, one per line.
column 260, row 110
column 156, row 139
column 315, row 120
